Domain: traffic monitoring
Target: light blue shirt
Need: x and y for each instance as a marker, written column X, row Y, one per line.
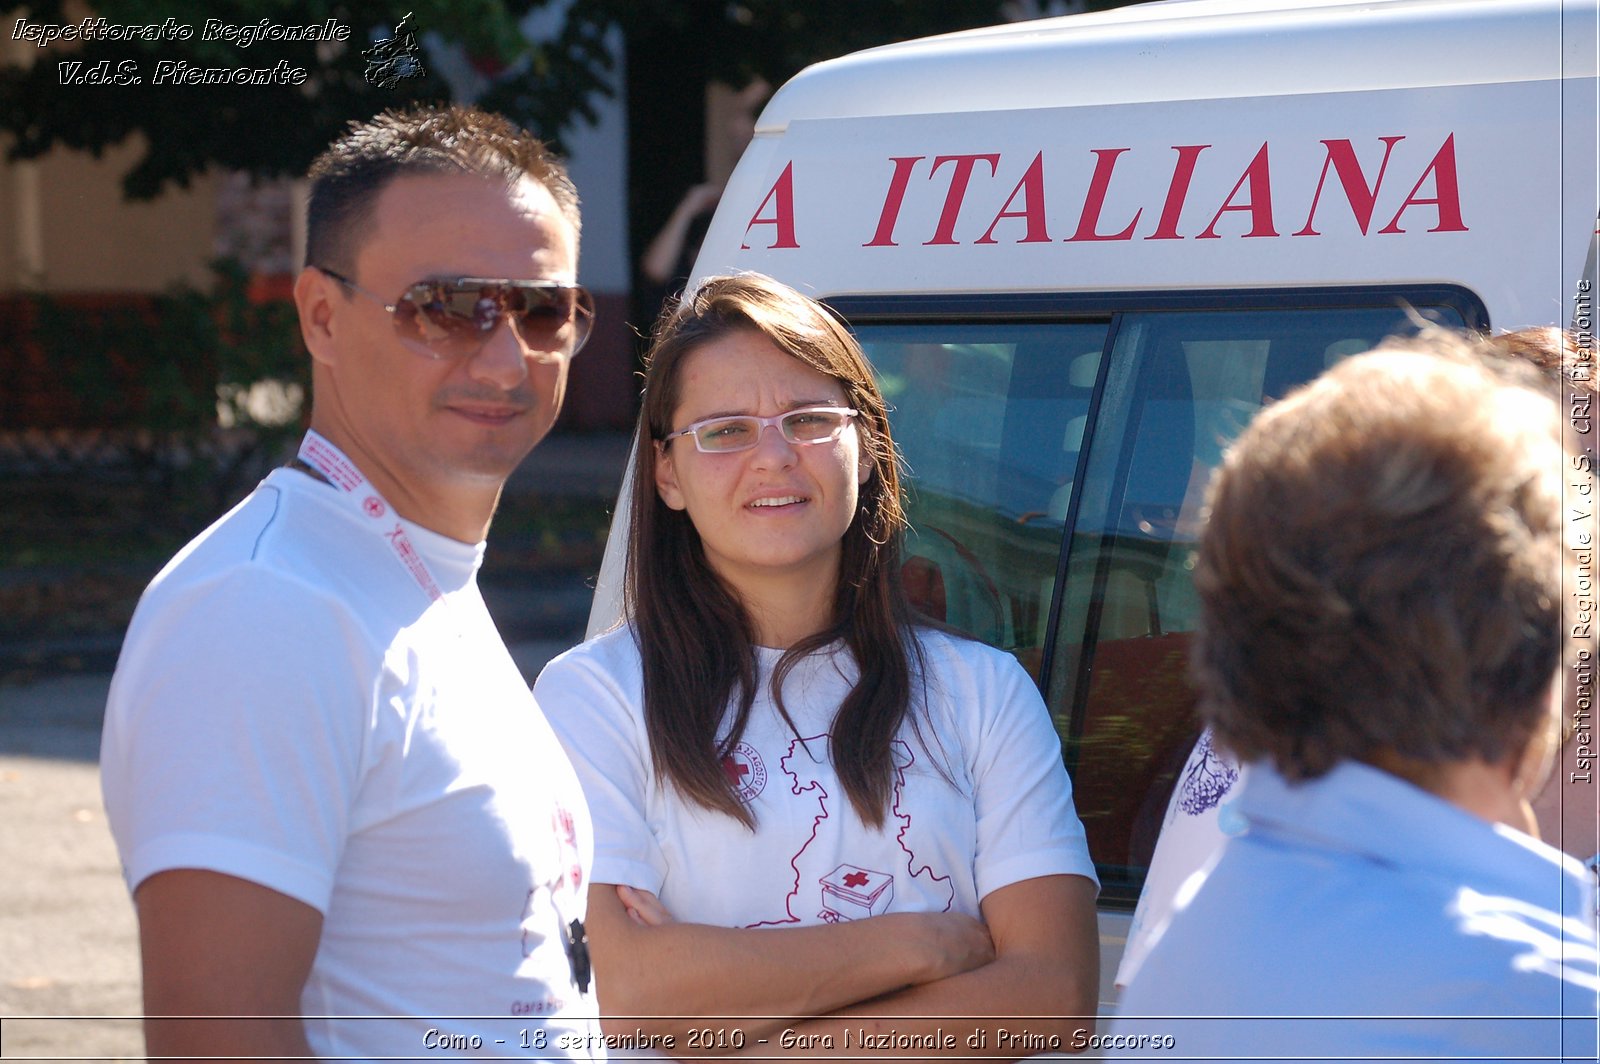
column 1359, row 916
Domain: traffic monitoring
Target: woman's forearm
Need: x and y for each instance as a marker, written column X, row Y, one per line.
column 669, row 978
column 1039, row 994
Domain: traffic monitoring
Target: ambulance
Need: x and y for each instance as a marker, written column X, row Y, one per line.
column 1082, row 252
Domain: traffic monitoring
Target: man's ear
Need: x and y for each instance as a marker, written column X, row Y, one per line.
column 317, row 299
column 667, row 479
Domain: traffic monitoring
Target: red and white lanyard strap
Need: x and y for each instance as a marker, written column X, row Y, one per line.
column 325, row 458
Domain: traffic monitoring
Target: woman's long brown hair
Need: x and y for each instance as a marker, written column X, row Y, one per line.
column 695, row 637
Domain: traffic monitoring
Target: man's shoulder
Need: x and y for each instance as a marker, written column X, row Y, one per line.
column 280, row 534
column 274, row 559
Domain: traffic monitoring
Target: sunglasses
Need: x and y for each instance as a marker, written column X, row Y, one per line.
column 453, row 317
column 740, row 432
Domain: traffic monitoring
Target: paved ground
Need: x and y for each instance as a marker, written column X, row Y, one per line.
column 69, row 963
column 67, row 944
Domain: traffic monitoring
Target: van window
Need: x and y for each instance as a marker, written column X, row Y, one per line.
column 1181, row 387
column 1014, row 432
column 990, row 420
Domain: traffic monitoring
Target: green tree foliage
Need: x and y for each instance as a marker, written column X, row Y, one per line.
column 160, row 375
column 773, row 39
column 674, row 47
column 735, row 41
column 275, row 130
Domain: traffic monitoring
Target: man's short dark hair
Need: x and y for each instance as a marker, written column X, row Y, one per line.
column 1381, row 568
column 348, row 177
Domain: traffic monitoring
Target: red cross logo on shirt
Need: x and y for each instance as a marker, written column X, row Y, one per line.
column 746, row 774
column 744, row 770
column 855, row 879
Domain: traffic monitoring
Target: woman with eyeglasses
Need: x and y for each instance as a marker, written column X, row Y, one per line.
column 816, row 817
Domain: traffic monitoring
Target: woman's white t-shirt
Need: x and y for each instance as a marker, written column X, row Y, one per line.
column 980, row 798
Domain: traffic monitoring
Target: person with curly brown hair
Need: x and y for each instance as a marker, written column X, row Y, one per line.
column 1380, row 581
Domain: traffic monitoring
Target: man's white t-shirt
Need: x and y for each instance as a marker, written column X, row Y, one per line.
column 291, row 709
column 979, row 801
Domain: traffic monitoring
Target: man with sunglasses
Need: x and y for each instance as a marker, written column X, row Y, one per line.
column 347, row 827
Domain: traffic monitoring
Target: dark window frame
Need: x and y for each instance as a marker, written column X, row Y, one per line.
column 1049, row 308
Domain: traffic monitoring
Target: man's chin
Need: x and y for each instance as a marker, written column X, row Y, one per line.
column 488, row 470
column 497, row 453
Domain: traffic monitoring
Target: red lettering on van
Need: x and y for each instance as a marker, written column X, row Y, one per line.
column 1260, row 205
column 1342, row 157
column 1105, row 163
column 1446, row 193
column 1031, row 188
column 1251, row 195
column 903, row 165
column 781, row 196
column 960, row 176
column 1259, row 175
column 1177, row 191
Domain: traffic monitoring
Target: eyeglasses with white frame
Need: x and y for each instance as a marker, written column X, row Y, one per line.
column 740, row 432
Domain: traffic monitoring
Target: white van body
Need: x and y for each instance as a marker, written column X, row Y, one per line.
column 1275, row 179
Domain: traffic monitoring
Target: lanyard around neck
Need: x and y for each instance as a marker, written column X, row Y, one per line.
column 328, row 460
